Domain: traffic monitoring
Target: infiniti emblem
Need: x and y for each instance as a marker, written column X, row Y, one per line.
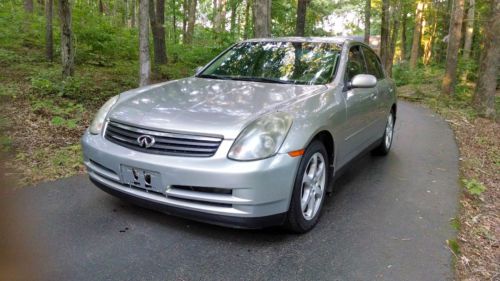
column 146, row 141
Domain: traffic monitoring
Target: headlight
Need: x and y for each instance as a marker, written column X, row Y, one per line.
column 98, row 122
column 262, row 138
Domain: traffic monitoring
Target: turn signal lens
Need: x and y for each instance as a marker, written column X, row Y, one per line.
column 296, row 153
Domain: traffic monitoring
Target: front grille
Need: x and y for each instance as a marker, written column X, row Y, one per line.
column 165, row 143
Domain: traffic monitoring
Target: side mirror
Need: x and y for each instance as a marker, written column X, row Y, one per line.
column 363, row 81
column 198, row 70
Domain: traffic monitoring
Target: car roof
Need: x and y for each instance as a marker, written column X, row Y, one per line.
column 336, row 40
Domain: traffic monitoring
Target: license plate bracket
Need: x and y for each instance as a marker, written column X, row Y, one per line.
column 141, row 178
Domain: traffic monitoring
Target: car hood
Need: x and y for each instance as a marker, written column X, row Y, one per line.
column 204, row 106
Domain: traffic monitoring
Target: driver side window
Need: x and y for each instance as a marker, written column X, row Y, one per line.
column 355, row 64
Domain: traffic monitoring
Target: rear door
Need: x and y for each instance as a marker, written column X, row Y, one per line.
column 360, row 108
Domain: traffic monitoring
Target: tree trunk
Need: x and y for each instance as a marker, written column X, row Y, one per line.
column 144, row 62
column 234, row 9
column 49, row 35
column 415, row 46
column 174, row 21
column 28, row 6
column 134, row 13
column 368, row 10
column 219, row 18
column 185, row 9
column 301, row 17
column 428, row 46
column 222, row 10
column 261, row 18
column 449, row 79
column 247, row 19
column 101, row 7
column 384, row 33
column 191, row 20
column 157, row 20
column 404, row 49
column 484, row 95
column 394, row 38
column 67, row 50
column 469, row 29
column 41, row 4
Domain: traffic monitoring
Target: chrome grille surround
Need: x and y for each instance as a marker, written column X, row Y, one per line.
column 165, row 143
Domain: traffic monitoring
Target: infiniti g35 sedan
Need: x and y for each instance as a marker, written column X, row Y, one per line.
column 254, row 139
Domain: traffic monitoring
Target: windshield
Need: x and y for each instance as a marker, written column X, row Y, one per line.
column 308, row 63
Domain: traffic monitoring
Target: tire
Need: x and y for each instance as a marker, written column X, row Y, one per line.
column 310, row 186
column 386, row 143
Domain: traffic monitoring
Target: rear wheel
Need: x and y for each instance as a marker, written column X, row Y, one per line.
column 386, row 143
column 309, row 190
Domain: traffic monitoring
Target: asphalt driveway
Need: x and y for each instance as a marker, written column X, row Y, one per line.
column 388, row 219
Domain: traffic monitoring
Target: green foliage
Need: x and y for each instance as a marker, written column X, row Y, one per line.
column 5, row 143
column 474, row 187
column 454, row 247
column 467, row 70
column 9, row 57
column 98, row 41
column 61, row 122
column 8, row 90
column 455, row 223
column 70, row 156
column 421, row 75
column 49, row 83
column 63, row 113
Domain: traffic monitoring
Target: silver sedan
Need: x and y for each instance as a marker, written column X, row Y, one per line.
column 254, row 139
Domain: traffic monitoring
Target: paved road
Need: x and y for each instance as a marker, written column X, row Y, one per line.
column 388, row 219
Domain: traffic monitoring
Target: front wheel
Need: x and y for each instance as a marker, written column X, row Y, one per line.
column 309, row 189
column 386, row 143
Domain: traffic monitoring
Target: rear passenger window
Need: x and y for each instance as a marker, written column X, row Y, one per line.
column 355, row 63
column 373, row 64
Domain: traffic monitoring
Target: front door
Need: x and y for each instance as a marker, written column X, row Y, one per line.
column 361, row 106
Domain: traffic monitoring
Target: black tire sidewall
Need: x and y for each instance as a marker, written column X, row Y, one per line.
column 382, row 149
column 295, row 219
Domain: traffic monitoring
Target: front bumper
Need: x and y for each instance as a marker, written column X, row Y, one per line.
column 255, row 193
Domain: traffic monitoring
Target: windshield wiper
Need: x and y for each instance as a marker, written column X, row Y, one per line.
column 263, row 79
column 213, row 76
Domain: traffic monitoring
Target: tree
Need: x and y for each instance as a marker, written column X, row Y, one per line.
column 134, row 13
column 368, row 8
column 234, row 10
column 67, row 49
column 190, row 21
column 417, row 32
column 384, row 33
column 261, row 18
column 484, row 95
column 246, row 32
column 49, row 35
column 404, row 20
column 219, row 16
column 449, row 79
column 469, row 29
column 144, row 62
column 101, row 7
column 157, row 20
column 301, row 17
column 174, row 21
column 28, row 6
column 394, row 37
